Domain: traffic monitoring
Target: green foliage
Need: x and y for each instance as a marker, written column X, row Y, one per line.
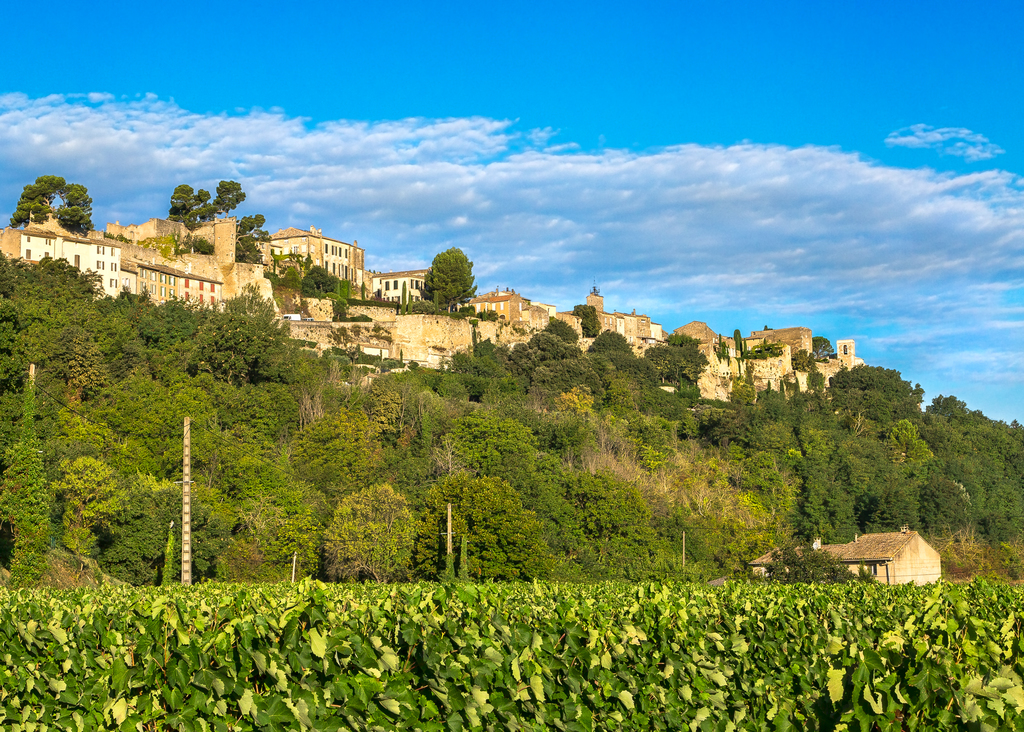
column 803, row 361
column 738, row 343
column 678, row 362
column 821, row 348
column 562, row 330
column 336, row 454
column 194, row 208
column 589, row 321
column 370, row 536
column 25, row 501
column 190, row 207
column 764, row 351
column 246, row 343
column 251, row 239
column 229, row 195
column 793, row 563
column 610, row 342
column 320, row 283
column 91, row 496
column 530, row 656
column 504, row 539
column 37, row 204
column 450, row 279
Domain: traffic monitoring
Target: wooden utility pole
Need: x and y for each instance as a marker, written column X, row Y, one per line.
column 186, row 506
column 449, row 529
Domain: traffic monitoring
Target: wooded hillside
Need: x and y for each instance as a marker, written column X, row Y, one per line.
column 559, row 464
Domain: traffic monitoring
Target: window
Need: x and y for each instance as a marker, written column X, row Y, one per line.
column 98, row 249
column 78, row 261
column 200, row 287
column 28, row 239
column 186, row 283
column 874, row 570
column 387, row 286
column 152, row 276
column 326, row 249
column 396, row 284
column 163, row 292
column 172, row 292
column 113, row 282
column 212, row 288
column 173, row 280
column 163, row 279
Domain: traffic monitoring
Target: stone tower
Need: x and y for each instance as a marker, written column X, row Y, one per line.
column 595, row 300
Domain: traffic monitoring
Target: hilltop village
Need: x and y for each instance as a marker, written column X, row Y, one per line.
column 146, row 259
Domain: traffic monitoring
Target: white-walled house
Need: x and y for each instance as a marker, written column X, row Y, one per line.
column 89, row 254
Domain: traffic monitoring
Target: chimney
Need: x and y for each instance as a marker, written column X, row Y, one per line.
column 854, row 538
column 817, row 543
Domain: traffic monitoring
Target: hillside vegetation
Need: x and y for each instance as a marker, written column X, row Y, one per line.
column 559, row 464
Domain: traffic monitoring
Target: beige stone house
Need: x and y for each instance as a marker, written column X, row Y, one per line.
column 894, row 558
column 387, row 286
column 341, row 259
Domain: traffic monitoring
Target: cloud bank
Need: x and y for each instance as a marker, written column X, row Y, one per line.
column 925, row 269
column 958, row 141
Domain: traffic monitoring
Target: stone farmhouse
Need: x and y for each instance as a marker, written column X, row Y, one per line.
column 895, row 558
column 388, row 286
column 91, row 253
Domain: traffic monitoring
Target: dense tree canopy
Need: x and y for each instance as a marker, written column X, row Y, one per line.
column 37, row 201
column 451, row 279
column 558, row 463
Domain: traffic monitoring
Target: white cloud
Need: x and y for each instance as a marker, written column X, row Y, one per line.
column 959, row 141
column 919, row 263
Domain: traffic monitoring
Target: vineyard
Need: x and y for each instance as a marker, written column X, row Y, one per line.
column 518, row 656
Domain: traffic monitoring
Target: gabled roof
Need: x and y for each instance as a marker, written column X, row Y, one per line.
column 872, row 546
column 869, row 547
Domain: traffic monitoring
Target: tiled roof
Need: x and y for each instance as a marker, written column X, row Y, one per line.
column 291, row 232
column 869, row 547
column 406, row 273
column 175, row 272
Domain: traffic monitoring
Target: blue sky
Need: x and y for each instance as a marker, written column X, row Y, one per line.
column 855, row 169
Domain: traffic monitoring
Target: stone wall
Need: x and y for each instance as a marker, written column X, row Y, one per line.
column 378, row 314
column 796, row 338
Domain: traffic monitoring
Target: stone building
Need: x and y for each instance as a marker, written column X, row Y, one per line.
column 387, row 286
column 341, row 259
column 636, row 329
column 796, row 338
column 91, row 253
column 894, row 558
column 167, row 283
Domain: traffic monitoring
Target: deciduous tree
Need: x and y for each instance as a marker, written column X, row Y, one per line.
column 371, row 536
